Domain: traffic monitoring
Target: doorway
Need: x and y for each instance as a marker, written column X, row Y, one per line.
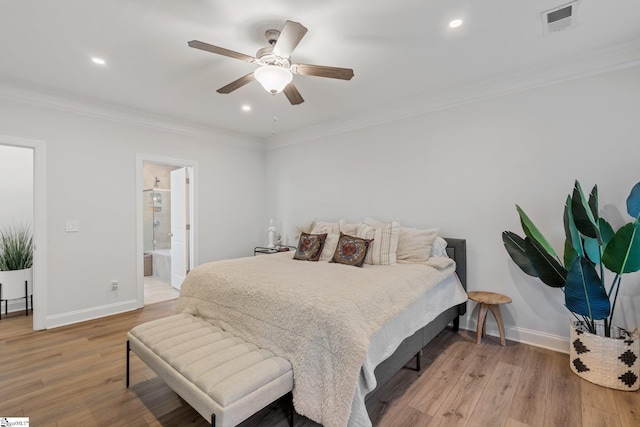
column 166, row 243
column 33, row 211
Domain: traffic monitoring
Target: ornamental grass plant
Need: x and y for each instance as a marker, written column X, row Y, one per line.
column 16, row 247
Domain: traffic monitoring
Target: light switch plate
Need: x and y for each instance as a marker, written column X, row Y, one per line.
column 72, row 226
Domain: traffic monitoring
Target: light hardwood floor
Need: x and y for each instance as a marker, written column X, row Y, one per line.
column 74, row 376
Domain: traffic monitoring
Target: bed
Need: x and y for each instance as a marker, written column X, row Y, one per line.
column 345, row 330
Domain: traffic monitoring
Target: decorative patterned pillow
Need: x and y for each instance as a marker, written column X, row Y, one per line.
column 351, row 250
column 310, row 247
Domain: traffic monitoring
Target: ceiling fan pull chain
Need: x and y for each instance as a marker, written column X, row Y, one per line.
column 275, row 116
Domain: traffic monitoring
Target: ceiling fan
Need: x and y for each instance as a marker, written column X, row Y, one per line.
column 275, row 70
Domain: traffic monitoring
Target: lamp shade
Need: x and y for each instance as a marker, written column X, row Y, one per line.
column 273, row 78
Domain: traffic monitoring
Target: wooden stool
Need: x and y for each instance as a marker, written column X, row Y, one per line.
column 491, row 301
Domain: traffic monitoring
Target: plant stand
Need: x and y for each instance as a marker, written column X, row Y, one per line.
column 610, row 362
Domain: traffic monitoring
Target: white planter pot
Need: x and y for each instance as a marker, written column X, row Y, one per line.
column 610, row 362
column 13, row 284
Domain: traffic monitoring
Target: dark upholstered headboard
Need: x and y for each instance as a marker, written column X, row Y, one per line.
column 457, row 250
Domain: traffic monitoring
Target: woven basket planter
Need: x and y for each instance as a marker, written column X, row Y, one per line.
column 610, row 362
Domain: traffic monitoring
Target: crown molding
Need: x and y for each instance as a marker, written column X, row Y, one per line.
column 593, row 63
column 42, row 96
column 590, row 64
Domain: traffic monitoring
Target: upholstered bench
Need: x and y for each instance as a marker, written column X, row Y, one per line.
column 223, row 377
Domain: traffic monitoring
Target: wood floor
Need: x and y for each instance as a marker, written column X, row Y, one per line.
column 74, row 376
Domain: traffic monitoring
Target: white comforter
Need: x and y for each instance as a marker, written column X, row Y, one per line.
column 320, row 316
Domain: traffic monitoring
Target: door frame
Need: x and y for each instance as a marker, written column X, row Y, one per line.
column 193, row 214
column 39, row 225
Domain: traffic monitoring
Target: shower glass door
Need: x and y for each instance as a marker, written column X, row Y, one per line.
column 157, row 219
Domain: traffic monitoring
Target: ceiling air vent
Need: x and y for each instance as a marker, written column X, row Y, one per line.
column 560, row 18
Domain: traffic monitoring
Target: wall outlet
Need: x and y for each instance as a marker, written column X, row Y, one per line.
column 72, row 226
column 114, row 285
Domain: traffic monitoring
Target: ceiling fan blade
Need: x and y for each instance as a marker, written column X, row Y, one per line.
column 322, row 71
column 236, row 84
column 289, row 38
column 292, row 94
column 220, row 51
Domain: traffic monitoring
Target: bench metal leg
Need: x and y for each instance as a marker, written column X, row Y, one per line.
column 213, row 420
column 128, row 350
column 418, row 360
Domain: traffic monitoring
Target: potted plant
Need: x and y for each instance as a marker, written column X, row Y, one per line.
column 16, row 260
column 599, row 352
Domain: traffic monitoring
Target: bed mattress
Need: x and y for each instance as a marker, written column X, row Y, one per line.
column 321, row 317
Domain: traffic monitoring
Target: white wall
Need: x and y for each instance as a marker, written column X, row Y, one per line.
column 91, row 177
column 461, row 169
column 16, row 185
column 464, row 169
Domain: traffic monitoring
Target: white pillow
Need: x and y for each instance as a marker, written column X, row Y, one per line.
column 325, row 227
column 350, row 229
column 439, row 248
column 382, row 250
column 330, row 245
column 414, row 245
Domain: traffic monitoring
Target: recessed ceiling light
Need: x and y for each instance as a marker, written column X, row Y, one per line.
column 246, row 108
column 98, row 61
column 455, row 23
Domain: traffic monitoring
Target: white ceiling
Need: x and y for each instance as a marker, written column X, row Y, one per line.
column 402, row 52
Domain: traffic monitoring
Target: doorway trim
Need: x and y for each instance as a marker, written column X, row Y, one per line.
column 193, row 215
column 39, row 225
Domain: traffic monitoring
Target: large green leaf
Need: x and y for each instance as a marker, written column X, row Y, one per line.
column 569, row 254
column 515, row 247
column 622, row 254
column 593, row 202
column 633, row 202
column 606, row 231
column 571, row 232
column 585, row 220
column 584, row 292
column 532, row 232
column 592, row 249
column 547, row 267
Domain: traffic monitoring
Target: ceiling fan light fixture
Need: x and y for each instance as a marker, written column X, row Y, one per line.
column 273, row 78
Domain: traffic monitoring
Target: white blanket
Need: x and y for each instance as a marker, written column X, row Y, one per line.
column 320, row 316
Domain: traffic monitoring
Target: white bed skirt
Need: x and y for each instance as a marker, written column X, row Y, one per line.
column 385, row 342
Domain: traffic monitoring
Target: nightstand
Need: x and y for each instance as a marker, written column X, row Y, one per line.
column 275, row 250
column 489, row 301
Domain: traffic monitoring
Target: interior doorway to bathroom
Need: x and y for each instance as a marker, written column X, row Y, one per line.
column 167, row 227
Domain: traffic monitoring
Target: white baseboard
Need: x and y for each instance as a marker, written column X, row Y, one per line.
column 63, row 319
column 522, row 335
column 513, row 333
